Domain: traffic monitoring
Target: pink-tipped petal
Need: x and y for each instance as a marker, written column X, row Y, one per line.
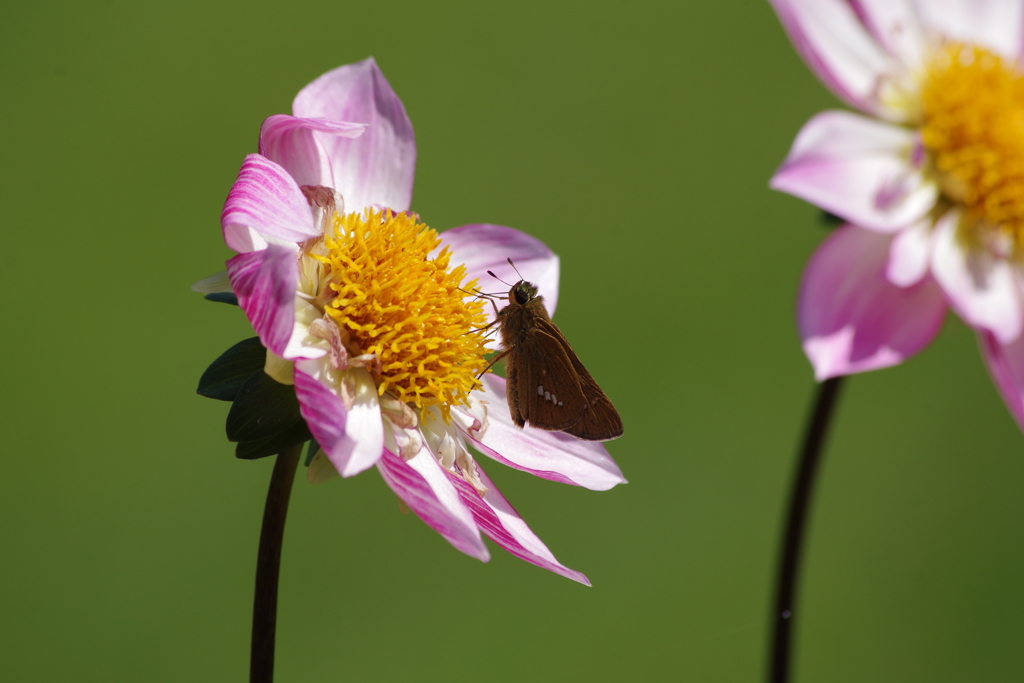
column 837, row 47
column 482, row 247
column 549, row 455
column 290, row 142
column 851, row 318
column 859, row 169
column 353, row 438
column 910, row 254
column 995, row 24
column 1006, row 364
column 983, row 288
column 423, row 486
column 264, row 282
column 376, row 168
column 267, row 200
column 503, row 525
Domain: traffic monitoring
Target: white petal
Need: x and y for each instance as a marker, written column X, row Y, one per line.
column 280, row 370
column 376, row 168
column 364, row 425
column 266, row 203
column 995, row 24
column 860, row 169
column 550, row 455
column 503, row 525
column 484, row 247
column 896, row 26
column 320, row 469
column 982, row 287
column 838, row 48
column 301, row 344
column 215, row 284
column 425, row 488
column 352, row 438
column 910, row 254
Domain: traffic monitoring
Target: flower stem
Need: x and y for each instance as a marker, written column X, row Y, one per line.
column 799, row 503
column 268, row 566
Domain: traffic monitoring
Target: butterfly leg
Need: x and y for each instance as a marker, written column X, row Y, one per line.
column 493, row 361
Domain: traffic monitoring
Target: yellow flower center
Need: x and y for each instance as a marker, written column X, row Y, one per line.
column 973, row 112
column 409, row 309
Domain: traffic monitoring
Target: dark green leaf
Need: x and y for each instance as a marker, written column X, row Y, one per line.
column 311, row 451
column 222, row 298
column 261, row 409
column 261, row 448
column 226, row 375
column 830, row 220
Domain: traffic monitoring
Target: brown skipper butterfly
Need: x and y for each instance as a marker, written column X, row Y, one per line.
column 548, row 387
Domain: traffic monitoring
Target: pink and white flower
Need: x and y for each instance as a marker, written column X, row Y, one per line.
column 360, row 307
column 929, row 179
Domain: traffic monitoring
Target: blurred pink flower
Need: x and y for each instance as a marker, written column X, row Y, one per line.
column 358, row 304
column 930, row 180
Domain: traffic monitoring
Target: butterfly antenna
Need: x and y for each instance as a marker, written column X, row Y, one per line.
column 515, row 269
column 484, row 295
column 491, row 273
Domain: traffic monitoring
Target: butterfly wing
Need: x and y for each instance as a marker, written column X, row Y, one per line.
column 599, row 420
column 543, row 388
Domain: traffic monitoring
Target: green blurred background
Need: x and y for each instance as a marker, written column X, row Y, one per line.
column 637, row 141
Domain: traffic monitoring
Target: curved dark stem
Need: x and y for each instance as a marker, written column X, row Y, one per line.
column 796, row 521
column 268, row 565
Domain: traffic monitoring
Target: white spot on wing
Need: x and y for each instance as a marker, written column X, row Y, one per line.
column 548, row 396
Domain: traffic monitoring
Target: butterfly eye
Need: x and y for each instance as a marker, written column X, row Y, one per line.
column 522, row 296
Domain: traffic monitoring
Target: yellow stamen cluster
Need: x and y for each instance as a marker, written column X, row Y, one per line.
column 973, row 107
column 407, row 308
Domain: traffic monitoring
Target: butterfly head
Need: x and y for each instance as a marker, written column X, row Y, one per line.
column 522, row 293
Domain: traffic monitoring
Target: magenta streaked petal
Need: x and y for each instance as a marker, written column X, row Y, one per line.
column 983, row 289
column 289, row 141
column 423, row 486
column 265, row 198
column 482, row 247
column 859, row 169
column 376, row 168
column 837, row 47
column 352, row 439
column 549, row 455
column 851, row 318
column 264, row 282
column 1006, row 364
column 995, row 24
column 910, row 254
column 503, row 525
